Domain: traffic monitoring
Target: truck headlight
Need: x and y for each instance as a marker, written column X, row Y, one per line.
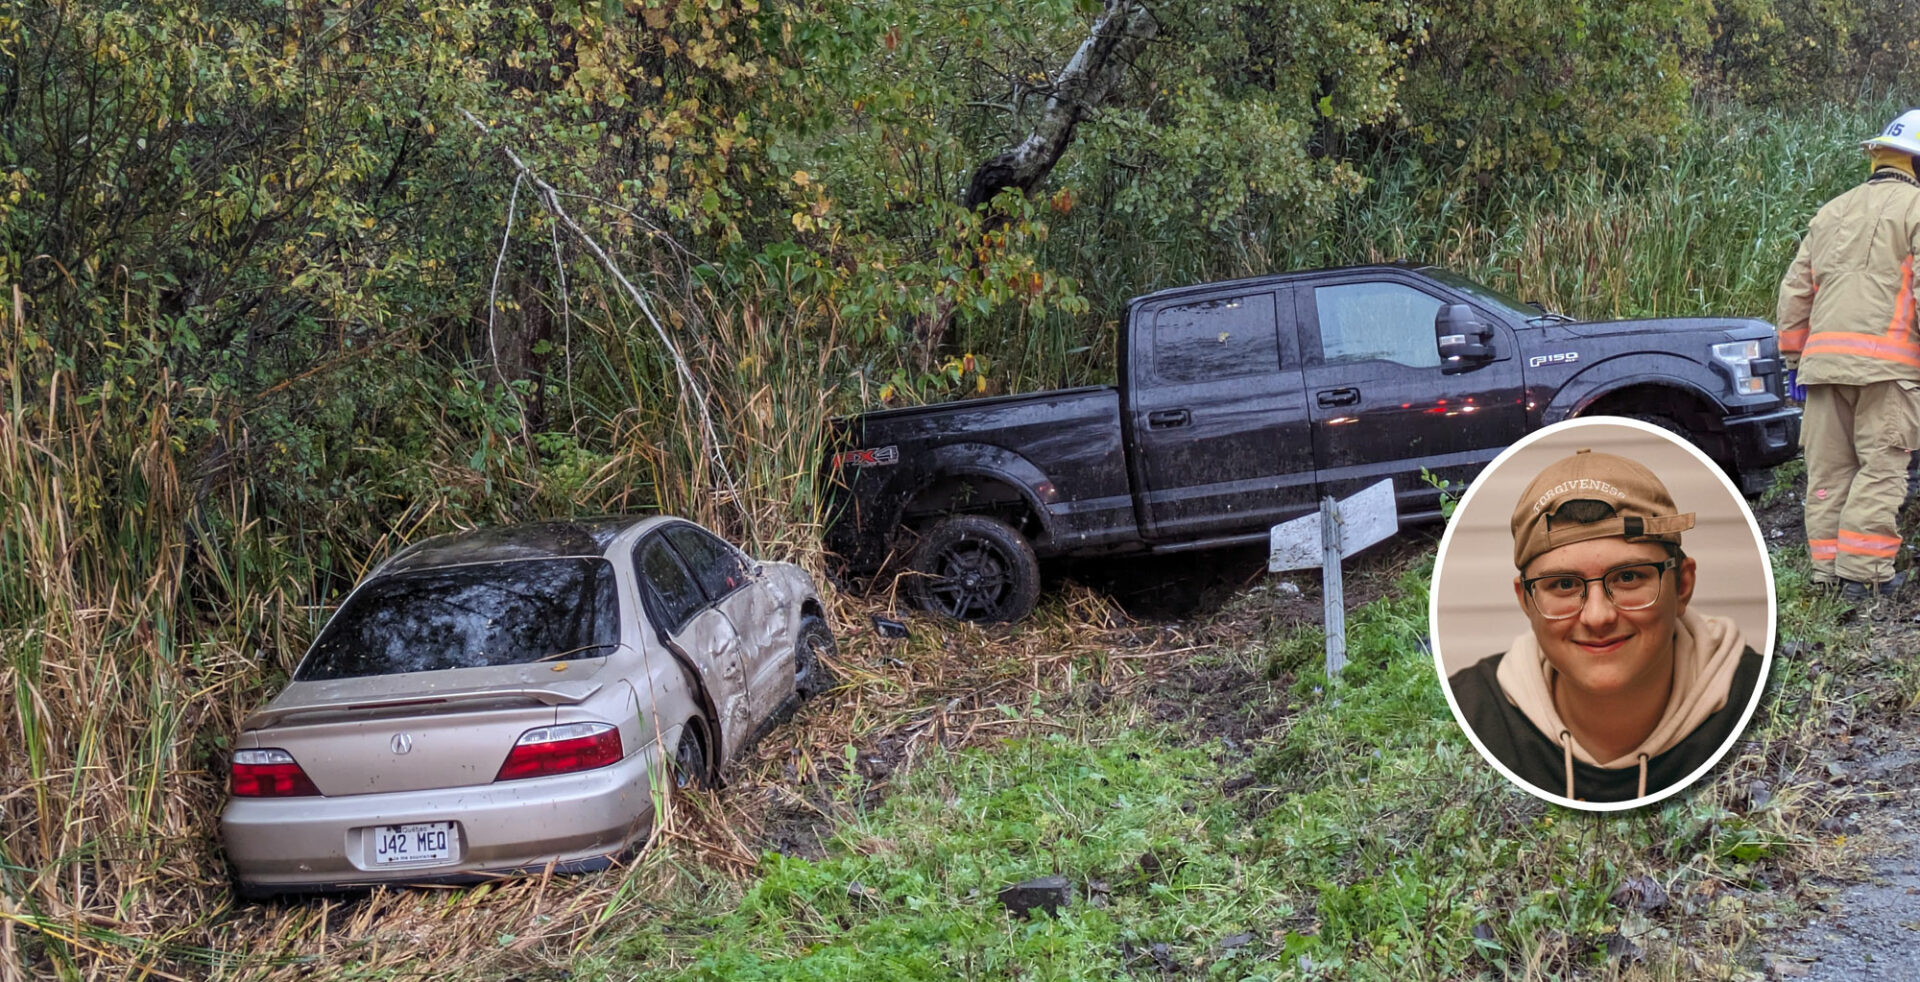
column 1739, row 356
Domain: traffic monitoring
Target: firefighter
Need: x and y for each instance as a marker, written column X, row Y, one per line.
column 1847, row 327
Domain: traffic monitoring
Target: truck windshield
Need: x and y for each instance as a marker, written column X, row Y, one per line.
column 470, row 616
column 1490, row 296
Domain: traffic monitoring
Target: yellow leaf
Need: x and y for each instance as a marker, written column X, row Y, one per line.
column 802, row 178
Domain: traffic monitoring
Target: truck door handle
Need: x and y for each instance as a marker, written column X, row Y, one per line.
column 1338, row 397
column 1166, row 419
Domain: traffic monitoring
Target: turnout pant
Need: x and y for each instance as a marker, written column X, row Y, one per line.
column 1858, row 440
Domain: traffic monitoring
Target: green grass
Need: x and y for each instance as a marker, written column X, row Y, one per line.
column 1374, row 844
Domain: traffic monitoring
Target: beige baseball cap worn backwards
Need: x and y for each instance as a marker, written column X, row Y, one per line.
column 1643, row 511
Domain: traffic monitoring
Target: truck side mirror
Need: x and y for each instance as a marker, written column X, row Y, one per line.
column 1465, row 341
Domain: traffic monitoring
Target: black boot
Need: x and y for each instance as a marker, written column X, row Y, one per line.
column 1854, row 591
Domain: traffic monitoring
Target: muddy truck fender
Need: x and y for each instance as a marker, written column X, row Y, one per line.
column 1747, row 435
column 891, row 474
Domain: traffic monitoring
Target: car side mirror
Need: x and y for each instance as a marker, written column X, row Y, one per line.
column 1465, row 340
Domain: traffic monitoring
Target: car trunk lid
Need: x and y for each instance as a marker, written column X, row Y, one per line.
column 415, row 732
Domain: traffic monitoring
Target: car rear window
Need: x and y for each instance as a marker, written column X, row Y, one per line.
column 470, row 617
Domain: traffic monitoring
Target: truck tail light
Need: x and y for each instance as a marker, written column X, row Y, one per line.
column 562, row 749
column 268, row 774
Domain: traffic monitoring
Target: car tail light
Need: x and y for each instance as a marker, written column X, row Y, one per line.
column 562, row 749
column 268, row 774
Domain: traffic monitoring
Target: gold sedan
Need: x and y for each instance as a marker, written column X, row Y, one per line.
column 511, row 699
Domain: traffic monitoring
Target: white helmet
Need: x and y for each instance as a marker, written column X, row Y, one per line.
column 1903, row 134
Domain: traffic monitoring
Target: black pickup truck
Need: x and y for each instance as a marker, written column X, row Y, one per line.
column 1241, row 403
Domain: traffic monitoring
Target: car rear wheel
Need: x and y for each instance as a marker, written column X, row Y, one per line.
column 810, row 675
column 692, row 766
column 975, row 568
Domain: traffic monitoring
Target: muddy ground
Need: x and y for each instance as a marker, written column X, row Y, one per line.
column 1865, row 926
column 1866, row 930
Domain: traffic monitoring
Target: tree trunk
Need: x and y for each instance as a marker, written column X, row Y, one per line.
column 1080, row 88
column 1083, row 86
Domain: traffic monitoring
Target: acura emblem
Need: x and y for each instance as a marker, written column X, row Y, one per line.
column 402, row 743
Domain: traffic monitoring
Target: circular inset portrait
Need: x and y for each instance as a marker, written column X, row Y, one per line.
column 1602, row 612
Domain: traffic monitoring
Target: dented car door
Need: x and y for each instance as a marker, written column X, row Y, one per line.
column 761, row 611
column 699, row 631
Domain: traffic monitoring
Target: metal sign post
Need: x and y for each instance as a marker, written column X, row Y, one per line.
column 1338, row 530
column 1333, row 597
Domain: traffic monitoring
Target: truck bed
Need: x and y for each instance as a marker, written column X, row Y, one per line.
column 1058, row 453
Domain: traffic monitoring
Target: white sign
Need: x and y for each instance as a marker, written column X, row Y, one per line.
column 1338, row 530
column 1365, row 518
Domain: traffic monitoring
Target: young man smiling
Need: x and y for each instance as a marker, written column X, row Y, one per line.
column 1618, row 690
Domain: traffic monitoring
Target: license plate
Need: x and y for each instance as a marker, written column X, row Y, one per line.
column 418, row 843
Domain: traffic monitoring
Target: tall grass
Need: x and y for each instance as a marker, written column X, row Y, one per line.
column 148, row 600
column 113, row 679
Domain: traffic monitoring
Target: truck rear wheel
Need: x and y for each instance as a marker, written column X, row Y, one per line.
column 974, row 568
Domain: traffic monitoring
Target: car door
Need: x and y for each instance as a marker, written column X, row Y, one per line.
column 763, row 616
column 1379, row 403
column 1217, row 416
column 678, row 606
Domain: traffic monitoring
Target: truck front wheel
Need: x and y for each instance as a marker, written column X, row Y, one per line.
column 974, row 568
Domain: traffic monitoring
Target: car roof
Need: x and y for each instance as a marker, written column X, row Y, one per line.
column 579, row 537
column 1270, row 279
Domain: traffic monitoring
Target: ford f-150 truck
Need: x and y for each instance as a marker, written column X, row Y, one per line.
column 1242, row 403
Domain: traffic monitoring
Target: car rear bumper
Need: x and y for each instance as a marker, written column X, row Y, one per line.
column 1763, row 440
column 575, row 822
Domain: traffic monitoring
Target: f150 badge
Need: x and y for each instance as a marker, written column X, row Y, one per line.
column 877, row 457
column 1563, row 358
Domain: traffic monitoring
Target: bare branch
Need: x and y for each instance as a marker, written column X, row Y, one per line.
column 550, row 197
column 566, row 325
column 493, row 343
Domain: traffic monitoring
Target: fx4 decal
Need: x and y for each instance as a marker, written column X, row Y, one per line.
column 877, row 457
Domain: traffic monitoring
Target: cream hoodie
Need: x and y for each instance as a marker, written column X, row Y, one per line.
column 1706, row 653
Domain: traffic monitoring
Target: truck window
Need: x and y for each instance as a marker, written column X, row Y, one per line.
column 1221, row 338
column 1384, row 321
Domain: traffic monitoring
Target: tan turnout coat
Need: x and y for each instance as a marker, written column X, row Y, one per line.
column 1846, row 303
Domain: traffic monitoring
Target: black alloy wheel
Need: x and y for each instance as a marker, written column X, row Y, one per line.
column 975, row 568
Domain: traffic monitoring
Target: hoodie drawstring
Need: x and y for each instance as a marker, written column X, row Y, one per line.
column 1566, row 757
column 1566, row 751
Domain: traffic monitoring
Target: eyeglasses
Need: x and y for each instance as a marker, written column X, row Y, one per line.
column 1636, row 586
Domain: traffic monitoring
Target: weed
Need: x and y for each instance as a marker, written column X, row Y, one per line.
column 1786, row 478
